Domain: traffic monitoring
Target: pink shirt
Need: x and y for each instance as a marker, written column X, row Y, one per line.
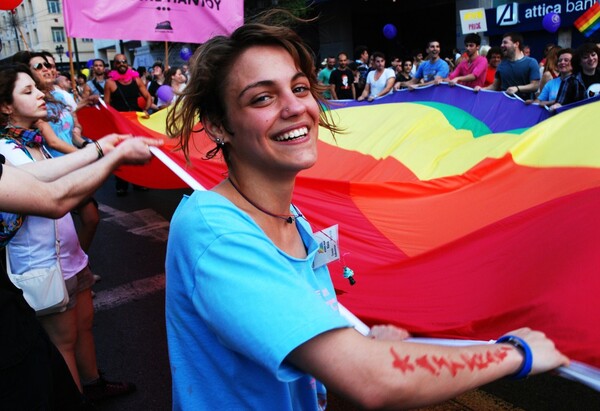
column 478, row 68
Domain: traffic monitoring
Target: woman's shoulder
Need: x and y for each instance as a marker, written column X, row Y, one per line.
column 59, row 96
column 555, row 82
column 206, row 220
column 207, row 210
column 13, row 152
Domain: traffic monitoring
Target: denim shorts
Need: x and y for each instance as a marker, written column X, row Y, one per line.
column 79, row 282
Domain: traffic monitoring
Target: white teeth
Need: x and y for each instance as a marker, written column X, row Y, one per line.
column 292, row 134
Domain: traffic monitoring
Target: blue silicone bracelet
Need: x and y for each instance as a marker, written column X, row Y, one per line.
column 523, row 347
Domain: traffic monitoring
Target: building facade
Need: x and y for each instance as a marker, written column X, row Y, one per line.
column 37, row 25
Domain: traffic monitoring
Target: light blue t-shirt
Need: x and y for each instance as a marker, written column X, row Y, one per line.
column 62, row 122
column 550, row 90
column 236, row 306
column 428, row 71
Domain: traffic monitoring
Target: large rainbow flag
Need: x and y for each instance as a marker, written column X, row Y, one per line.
column 463, row 215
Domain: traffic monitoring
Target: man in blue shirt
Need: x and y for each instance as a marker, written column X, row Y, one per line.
column 517, row 74
column 432, row 69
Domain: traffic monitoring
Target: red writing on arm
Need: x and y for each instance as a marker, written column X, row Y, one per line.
column 423, row 362
column 452, row 366
column 435, row 364
column 474, row 361
column 403, row 364
column 480, row 361
column 502, row 353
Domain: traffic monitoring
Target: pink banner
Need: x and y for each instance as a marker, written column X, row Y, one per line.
column 193, row 21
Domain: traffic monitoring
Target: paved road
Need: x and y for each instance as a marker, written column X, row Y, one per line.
column 129, row 252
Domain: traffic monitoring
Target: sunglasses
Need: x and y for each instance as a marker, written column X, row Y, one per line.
column 121, row 61
column 39, row 66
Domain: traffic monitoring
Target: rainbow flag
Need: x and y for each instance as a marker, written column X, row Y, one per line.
column 589, row 22
column 463, row 215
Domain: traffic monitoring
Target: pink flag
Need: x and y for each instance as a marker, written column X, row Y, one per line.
column 192, row 21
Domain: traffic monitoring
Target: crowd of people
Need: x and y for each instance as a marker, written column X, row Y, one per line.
column 49, row 361
column 48, row 358
column 563, row 76
column 246, row 305
column 98, row 72
column 121, row 87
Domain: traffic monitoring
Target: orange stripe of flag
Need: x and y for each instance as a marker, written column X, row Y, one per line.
column 588, row 18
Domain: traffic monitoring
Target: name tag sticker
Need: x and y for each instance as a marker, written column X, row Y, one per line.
column 328, row 246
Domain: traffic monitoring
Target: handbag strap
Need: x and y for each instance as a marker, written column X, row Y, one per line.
column 98, row 86
column 56, row 248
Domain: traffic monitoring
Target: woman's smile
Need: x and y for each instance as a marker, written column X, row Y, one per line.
column 272, row 115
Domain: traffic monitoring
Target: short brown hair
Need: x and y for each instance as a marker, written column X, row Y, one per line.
column 203, row 97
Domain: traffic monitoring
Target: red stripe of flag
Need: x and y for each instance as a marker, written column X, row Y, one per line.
column 591, row 14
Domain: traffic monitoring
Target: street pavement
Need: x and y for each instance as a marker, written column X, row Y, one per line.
column 129, row 326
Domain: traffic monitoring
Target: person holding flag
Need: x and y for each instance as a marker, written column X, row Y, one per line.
column 33, row 373
column 252, row 320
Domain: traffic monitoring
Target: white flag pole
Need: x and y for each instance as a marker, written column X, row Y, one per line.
column 177, row 169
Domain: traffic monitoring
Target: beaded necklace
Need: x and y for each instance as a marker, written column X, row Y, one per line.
column 288, row 218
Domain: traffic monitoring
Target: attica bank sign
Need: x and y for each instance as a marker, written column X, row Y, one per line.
column 528, row 17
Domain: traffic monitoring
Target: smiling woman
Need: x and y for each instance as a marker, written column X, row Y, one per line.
column 252, row 319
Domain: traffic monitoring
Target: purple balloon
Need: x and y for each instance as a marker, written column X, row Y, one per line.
column 185, row 54
column 551, row 22
column 90, row 63
column 165, row 93
column 389, row 31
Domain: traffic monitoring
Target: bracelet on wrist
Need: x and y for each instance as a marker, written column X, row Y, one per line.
column 524, row 349
column 99, row 149
column 518, row 89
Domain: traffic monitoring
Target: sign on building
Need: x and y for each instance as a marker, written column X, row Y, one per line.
column 507, row 14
